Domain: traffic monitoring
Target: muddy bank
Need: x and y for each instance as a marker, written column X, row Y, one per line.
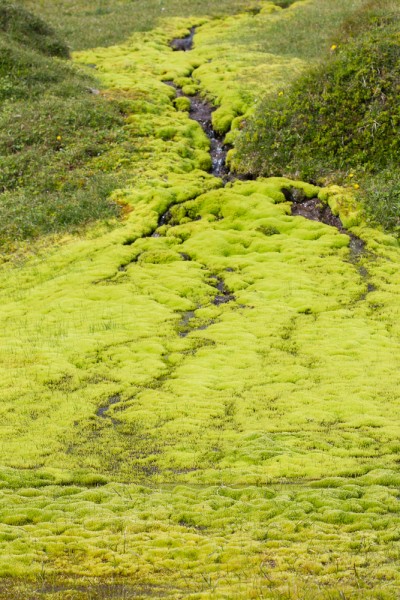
column 102, row 411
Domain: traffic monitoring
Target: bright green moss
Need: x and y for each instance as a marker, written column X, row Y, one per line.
column 205, row 395
column 182, row 103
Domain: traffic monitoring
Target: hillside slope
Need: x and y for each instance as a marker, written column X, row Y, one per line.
column 51, row 126
column 340, row 119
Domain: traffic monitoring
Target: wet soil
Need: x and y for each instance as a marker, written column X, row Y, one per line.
column 183, row 44
column 103, row 410
column 225, row 295
column 315, row 211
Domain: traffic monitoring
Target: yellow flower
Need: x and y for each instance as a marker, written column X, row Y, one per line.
column 333, row 47
column 280, row 93
column 351, row 175
column 58, row 138
column 356, row 186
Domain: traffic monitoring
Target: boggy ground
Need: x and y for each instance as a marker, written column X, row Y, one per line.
column 202, row 401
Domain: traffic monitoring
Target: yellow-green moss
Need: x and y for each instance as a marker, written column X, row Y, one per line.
column 209, row 398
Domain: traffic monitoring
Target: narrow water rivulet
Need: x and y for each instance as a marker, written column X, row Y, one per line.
column 201, row 111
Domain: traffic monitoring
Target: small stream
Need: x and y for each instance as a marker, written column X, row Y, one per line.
column 201, row 111
column 309, row 208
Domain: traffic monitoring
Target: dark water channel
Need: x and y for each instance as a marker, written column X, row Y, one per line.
column 310, row 208
column 201, row 111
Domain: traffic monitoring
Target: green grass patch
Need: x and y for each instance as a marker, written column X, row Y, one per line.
column 90, row 23
column 53, row 122
column 339, row 120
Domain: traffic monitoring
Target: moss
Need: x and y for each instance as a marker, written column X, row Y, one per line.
column 206, row 393
column 182, row 103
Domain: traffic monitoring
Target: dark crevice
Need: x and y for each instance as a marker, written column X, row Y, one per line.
column 313, row 209
column 254, row 10
column 186, row 324
column 165, row 218
column 183, row 44
column 130, row 242
column 102, row 411
column 201, row 111
column 225, row 295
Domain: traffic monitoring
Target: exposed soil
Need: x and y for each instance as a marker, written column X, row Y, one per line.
column 183, row 44
column 314, row 210
column 102, row 410
column 225, row 295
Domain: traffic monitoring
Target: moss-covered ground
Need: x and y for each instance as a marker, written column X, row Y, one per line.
column 201, row 401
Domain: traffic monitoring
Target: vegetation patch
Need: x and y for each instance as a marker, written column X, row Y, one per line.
column 201, row 401
column 53, row 121
column 341, row 119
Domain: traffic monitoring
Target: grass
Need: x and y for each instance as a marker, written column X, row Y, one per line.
column 340, row 118
column 303, row 31
column 156, row 441
column 51, row 126
column 90, row 23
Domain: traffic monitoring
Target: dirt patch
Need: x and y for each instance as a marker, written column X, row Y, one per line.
column 183, row 44
column 313, row 209
column 186, row 327
column 225, row 295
